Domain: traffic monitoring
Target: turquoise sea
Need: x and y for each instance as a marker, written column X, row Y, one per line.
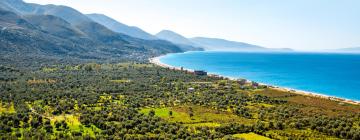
column 325, row 73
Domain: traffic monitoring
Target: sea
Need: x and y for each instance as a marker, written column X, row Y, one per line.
column 331, row 74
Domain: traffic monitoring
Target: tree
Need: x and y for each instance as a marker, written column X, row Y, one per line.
column 88, row 67
column 279, row 125
column 191, row 114
column 151, row 113
column 170, row 113
column 48, row 128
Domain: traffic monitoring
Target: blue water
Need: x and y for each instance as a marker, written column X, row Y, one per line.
column 330, row 74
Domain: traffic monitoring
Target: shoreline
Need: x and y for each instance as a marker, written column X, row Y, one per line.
column 156, row 61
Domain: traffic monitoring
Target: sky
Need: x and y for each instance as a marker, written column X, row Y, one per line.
column 305, row 25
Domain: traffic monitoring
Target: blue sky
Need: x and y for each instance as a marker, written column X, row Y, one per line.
column 307, row 25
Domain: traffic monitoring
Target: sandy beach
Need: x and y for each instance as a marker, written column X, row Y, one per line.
column 156, row 61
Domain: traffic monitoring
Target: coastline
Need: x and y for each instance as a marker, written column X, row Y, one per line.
column 156, row 61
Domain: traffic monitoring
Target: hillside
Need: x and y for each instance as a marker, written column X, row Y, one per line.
column 178, row 40
column 173, row 37
column 67, row 13
column 54, row 25
column 120, row 27
column 62, row 36
column 19, row 37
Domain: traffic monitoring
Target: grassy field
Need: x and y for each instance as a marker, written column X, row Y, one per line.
column 202, row 116
column 251, row 136
column 75, row 125
column 206, row 124
column 160, row 112
column 120, row 81
column 284, row 134
column 7, row 108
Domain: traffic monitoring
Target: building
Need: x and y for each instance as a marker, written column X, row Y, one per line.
column 200, row 72
column 191, row 90
column 255, row 84
column 242, row 81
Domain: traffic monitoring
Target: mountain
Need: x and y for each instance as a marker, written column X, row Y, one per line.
column 348, row 50
column 19, row 37
column 54, row 25
column 59, row 31
column 173, row 37
column 16, row 6
column 216, row 44
column 120, row 27
column 67, row 13
column 5, row 7
column 178, row 39
column 52, row 36
column 211, row 44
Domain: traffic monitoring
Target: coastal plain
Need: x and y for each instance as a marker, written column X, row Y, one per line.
column 125, row 100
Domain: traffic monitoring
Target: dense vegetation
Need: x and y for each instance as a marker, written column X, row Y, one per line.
column 143, row 101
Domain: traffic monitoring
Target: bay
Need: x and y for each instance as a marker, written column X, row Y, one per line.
column 324, row 73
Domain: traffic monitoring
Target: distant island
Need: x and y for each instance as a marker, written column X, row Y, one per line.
column 347, row 50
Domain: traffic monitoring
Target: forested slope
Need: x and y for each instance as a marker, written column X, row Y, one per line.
column 50, row 32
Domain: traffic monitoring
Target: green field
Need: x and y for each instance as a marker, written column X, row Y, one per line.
column 251, row 136
column 7, row 108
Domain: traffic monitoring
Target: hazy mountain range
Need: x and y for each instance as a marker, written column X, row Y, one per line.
column 224, row 45
column 178, row 39
column 134, row 31
column 120, row 27
column 61, row 31
column 173, row 37
column 346, row 50
column 212, row 44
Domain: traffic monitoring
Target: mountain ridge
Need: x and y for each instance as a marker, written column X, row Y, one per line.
column 69, row 32
column 179, row 40
column 214, row 44
column 120, row 27
column 346, row 50
column 50, row 35
column 67, row 13
column 173, row 37
column 222, row 44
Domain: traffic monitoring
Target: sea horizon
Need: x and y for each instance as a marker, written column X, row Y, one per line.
column 168, row 60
